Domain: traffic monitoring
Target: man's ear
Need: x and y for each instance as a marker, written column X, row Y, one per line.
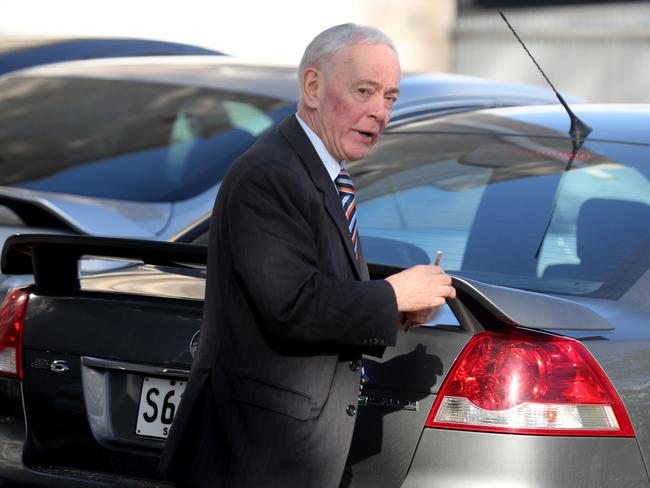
column 311, row 81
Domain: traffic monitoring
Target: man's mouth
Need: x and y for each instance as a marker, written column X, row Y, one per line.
column 366, row 134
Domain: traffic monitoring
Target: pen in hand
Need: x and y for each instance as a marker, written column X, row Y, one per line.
column 408, row 324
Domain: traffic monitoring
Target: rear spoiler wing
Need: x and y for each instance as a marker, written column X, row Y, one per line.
column 54, row 262
column 480, row 306
column 54, row 259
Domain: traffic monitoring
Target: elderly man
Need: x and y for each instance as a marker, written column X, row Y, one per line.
column 289, row 308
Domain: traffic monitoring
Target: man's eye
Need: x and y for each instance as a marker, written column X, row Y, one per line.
column 364, row 91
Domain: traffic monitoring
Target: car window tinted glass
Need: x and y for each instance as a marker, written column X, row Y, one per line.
column 485, row 201
column 125, row 140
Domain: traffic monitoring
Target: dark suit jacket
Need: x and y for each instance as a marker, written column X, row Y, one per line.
column 288, row 311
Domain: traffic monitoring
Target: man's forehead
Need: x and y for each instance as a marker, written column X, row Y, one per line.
column 365, row 52
column 371, row 62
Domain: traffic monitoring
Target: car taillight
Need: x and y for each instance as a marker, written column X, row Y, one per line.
column 12, row 318
column 522, row 382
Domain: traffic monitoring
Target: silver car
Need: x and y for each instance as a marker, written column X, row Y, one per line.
column 136, row 147
column 535, row 376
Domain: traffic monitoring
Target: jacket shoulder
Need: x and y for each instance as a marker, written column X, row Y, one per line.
column 273, row 157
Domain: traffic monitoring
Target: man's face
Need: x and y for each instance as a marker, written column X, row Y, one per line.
column 355, row 98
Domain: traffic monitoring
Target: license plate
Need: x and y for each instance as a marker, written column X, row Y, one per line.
column 158, row 404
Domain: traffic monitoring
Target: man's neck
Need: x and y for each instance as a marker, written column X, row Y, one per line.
column 332, row 166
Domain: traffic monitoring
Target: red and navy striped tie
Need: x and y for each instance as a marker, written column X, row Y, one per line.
column 346, row 191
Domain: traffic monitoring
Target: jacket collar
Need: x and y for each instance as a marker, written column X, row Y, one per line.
column 296, row 137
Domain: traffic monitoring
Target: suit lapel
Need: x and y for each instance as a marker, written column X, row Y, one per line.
column 295, row 135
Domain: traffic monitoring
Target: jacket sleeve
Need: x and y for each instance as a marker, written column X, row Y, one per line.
column 275, row 258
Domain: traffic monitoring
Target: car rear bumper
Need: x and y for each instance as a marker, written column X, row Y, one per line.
column 449, row 458
column 12, row 470
column 14, row 473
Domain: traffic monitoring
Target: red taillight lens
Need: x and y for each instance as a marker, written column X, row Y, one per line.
column 12, row 318
column 525, row 382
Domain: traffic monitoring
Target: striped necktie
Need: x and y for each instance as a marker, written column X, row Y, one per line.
column 346, row 191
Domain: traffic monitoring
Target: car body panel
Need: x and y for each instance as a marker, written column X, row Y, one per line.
column 625, row 124
column 486, row 460
column 96, row 216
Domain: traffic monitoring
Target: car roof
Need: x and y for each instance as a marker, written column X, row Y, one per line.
column 609, row 122
column 418, row 86
column 280, row 81
column 215, row 72
column 22, row 52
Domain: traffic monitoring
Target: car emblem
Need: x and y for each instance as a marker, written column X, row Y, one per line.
column 194, row 343
column 59, row 366
column 389, row 403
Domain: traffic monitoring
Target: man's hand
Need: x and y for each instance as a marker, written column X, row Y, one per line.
column 421, row 288
column 408, row 320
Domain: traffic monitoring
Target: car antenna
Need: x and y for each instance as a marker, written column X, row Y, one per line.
column 579, row 132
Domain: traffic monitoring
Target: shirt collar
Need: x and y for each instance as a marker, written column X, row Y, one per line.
column 332, row 166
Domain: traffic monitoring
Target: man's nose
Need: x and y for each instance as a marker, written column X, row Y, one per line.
column 379, row 109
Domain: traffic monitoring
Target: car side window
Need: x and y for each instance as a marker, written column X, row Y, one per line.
column 173, row 141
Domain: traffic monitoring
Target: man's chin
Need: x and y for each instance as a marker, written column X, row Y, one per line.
column 359, row 152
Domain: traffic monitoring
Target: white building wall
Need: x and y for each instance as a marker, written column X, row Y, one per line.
column 598, row 52
column 422, row 30
column 272, row 31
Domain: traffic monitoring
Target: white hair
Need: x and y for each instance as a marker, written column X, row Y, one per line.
column 326, row 45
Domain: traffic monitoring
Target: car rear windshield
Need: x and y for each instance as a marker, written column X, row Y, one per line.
column 125, row 140
column 504, row 210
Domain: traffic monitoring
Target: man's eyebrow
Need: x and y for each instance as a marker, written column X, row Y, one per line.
column 376, row 84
